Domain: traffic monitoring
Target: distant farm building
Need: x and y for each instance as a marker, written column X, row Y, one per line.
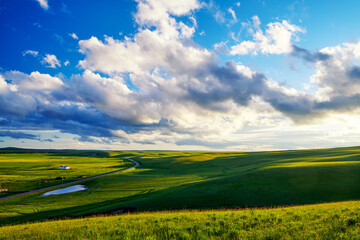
column 64, row 167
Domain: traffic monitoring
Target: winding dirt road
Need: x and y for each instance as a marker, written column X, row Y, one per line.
column 70, row 183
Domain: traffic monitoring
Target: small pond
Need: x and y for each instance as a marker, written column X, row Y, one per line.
column 75, row 188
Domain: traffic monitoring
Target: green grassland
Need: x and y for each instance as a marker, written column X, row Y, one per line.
column 201, row 180
column 22, row 171
column 325, row 221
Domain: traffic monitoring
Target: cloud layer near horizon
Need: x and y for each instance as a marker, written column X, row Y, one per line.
column 160, row 86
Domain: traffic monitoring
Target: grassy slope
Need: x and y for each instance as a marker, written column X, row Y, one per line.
column 326, row 221
column 177, row 180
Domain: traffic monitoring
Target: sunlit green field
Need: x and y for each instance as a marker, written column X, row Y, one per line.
column 325, row 221
column 24, row 171
column 202, row 180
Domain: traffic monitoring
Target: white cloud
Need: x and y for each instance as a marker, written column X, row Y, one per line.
column 43, row 4
column 277, row 39
column 339, row 75
column 66, row 63
column 34, row 81
column 147, row 50
column 31, row 52
column 232, row 12
column 158, row 13
column 111, row 95
column 238, row 4
column 73, row 35
column 51, row 60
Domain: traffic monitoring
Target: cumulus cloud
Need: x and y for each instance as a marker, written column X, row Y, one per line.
column 277, row 39
column 30, row 52
column 164, row 46
column 146, row 51
column 338, row 75
column 51, row 61
column 41, row 102
column 112, row 96
column 22, row 93
column 159, row 13
column 43, row 3
column 34, row 81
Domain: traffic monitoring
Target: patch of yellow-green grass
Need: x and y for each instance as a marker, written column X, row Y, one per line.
column 322, row 221
column 311, row 164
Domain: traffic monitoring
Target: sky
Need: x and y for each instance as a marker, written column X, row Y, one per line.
column 179, row 75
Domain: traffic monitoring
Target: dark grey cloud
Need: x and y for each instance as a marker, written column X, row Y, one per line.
column 86, row 122
column 354, row 73
column 47, row 140
column 18, row 135
column 309, row 56
column 228, row 84
column 295, row 105
column 340, row 103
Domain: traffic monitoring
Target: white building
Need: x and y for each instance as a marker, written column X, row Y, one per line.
column 64, row 167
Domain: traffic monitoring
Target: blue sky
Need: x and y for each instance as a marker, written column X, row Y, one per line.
column 156, row 74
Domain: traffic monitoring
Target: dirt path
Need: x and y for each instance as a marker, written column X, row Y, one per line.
column 70, row 183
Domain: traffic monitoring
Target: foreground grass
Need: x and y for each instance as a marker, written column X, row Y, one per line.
column 325, row 221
